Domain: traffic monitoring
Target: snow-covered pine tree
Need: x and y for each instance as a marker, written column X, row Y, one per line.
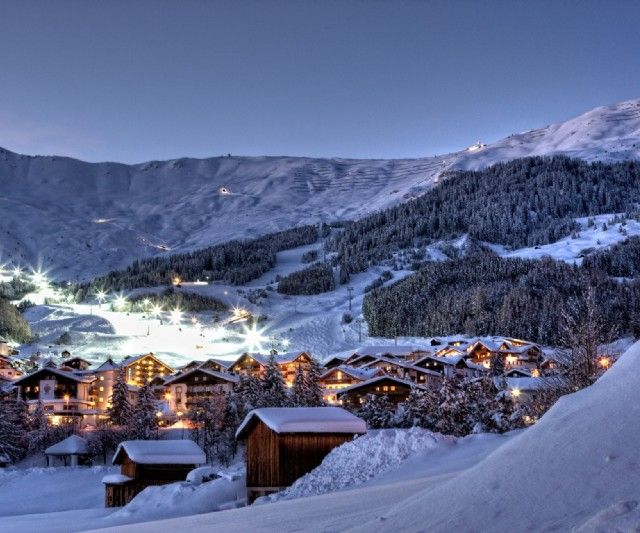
column 298, row 392
column 144, row 420
column 120, row 410
column 39, row 430
column 377, row 412
column 13, row 434
column 452, row 415
column 207, row 417
column 247, row 394
column 274, row 393
column 230, row 422
column 420, row 409
column 313, row 392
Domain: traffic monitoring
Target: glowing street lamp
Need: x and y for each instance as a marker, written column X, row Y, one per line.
column 176, row 316
column 101, row 295
column 253, row 338
column 17, row 272
column 120, row 302
column 604, row 362
column 39, row 278
column 285, row 343
column 515, row 393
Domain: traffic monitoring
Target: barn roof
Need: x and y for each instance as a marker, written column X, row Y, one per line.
column 160, row 452
column 304, row 420
column 72, row 445
column 385, row 377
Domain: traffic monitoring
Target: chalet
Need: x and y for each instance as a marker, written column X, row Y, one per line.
column 284, row 443
column 335, row 360
column 9, row 369
column 404, row 370
column 142, row 369
column 339, row 377
column 184, row 390
column 65, row 395
column 102, row 387
column 73, row 450
column 218, row 365
column 527, row 389
column 76, row 363
column 366, row 354
column 255, row 364
column 395, row 389
column 144, row 463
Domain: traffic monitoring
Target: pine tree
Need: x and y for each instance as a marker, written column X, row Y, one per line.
column 120, row 410
column 207, row 417
column 274, row 393
column 247, row 394
column 39, row 429
column 452, row 417
column 298, row 391
column 144, row 420
column 420, row 408
column 314, row 393
column 377, row 412
column 230, row 423
column 13, row 434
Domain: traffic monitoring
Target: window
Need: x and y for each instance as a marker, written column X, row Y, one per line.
column 393, row 388
column 101, row 378
column 101, row 389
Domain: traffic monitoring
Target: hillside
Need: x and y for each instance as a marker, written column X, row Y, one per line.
column 79, row 219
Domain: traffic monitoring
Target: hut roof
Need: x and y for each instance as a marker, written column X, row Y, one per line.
column 232, row 378
column 305, row 420
column 72, row 445
column 160, row 452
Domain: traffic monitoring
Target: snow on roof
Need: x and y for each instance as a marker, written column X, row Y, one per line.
column 70, row 375
column 362, row 373
column 305, row 420
column 280, row 359
column 73, row 445
column 116, row 479
column 108, row 365
column 527, row 384
column 375, row 380
column 130, row 360
column 378, row 351
column 154, row 452
column 213, row 373
column 4, row 458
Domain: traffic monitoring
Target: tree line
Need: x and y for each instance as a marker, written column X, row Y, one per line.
column 235, row 262
column 488, row 295
column 524, row 202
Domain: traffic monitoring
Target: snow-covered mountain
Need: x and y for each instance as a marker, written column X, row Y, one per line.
column 78, row 219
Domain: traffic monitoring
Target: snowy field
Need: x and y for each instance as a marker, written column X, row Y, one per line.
column 386, row 466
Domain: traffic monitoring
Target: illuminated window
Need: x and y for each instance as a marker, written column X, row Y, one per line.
column 101, row 378
column 385, row 388
column 101, row 389
column 393, row 387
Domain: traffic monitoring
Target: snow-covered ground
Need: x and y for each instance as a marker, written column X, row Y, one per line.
column 573, row 470
column 412, row 460
column 78, row 219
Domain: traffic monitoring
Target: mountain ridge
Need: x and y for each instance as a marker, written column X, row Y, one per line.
column 79, row 219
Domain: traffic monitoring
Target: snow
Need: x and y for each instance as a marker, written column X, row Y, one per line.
column 572, row 470
column 306, row 420
column 115, row 213
column 116, row 479
column 153, row 452
column 201, row 474
column 73, row 445
column 363, row 458
column 182, row 499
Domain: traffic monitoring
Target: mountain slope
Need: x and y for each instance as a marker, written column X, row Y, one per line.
column 79, row 219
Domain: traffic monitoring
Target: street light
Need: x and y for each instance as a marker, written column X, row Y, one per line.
column 101, row 295
column 176, row 316
column 120, row 302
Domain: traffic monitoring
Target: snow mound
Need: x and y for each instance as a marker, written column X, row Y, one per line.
column 575, row 468
column 182, row 499
column 357, row 461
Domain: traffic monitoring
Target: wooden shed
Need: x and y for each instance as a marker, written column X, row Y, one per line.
column 284, row 443
column 149, row 462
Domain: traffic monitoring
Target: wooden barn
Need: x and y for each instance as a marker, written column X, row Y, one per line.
column 284, row 443
column 149, row 462
column 395, row 389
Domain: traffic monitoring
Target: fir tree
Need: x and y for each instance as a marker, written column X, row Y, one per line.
column 313, row 391
column 377, row 412
column 144, row 420
column 274, row 393
column 120, row 410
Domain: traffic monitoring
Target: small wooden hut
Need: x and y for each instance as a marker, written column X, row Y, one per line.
column 284, row 443
column 73, row 450
column 149, row 462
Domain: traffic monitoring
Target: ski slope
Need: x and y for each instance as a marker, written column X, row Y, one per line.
column 79, row 219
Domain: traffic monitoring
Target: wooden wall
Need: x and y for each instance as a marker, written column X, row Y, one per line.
column 277, row 460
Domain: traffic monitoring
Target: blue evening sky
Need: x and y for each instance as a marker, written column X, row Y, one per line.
column 137, row 80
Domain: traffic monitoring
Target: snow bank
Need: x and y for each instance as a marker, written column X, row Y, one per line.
column 361, row 459
column 181, row 499
column 576, row 468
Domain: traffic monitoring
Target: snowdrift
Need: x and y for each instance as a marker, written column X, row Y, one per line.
column 182, row 499
column 357, row 461
column 576, row 468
